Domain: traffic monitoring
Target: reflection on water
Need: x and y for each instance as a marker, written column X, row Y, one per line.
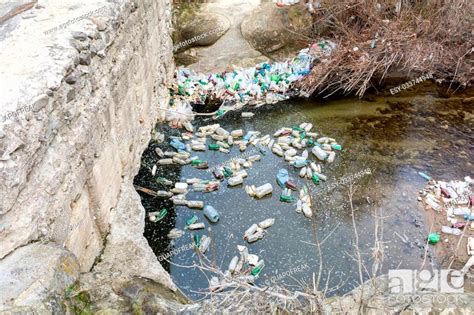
column 395, row 139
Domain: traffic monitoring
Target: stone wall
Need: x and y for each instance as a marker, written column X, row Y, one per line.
column 92, row 88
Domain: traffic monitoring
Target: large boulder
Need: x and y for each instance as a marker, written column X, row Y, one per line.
column 200, row 29
column 270, row 28
column 36, row 277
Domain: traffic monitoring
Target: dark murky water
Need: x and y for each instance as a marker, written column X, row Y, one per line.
column 395, row 138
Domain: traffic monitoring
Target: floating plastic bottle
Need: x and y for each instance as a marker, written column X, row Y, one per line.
column 205, row 243
column 315, row 179
column 266, row 223
column 191, row 220
column 319, row 153
column 291, row 185
column 213, row 147
column 178, row 145
column 233, row 264
column 257, row 269
column 211, row 214
column 282, row 177
column 263, row 190
column 235, row 180
column 196, row 226
column 300, row 163
column 164, row 181
column 163, row 194
column 251, row 230
column 195, row 204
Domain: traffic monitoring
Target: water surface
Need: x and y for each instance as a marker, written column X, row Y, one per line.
column 394, row 137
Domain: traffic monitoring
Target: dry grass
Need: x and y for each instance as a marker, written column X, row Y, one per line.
column 423, row 36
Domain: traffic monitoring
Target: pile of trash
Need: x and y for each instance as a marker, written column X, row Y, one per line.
column 455, row 199
column 266, row 83
column 244, row 268
column 294, row 144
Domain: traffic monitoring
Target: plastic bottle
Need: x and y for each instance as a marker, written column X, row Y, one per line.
column 448, row 230
column 315, row 179
column 205, row 242
column 282, row 177
column 191, row 220
column 319, row 153
column 195, row 204
column 258, row 268
column 424, row 175
column 299, row 163
column 211, row 214
column 461, row 211
column 178, row 145
column 213, row 147
column 163, row 194
column 233, row 264
column 469, row 217
column 235, row 180
column 196, row 226
column 263, row 190
column 165, row 161
column 266, row 223
column 433, row 238
column 251, row 230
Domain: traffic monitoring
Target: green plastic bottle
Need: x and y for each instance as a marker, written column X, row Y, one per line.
column 162, row 214
column 285, row 198
column 227, row 172
column 275, row 78
column 255, row 271
column 191, row 220
column 433, row 238
column 315, row 179
column 197, row 240
column 213, row 146
column 196, row 162
column 181, row 90
column 337, row 147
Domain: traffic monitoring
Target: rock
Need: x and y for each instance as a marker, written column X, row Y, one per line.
column 85, row 58
column 80, row 45
column 40, row 102
column 101, row 24
column 267, row 28
column 36, row 276
column 72, row 77
column 201, row 30
column 79, row 36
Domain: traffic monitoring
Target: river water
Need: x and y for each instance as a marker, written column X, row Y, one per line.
column 393, row 137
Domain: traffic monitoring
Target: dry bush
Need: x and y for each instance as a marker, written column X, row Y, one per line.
column 421, row 37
